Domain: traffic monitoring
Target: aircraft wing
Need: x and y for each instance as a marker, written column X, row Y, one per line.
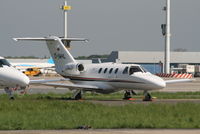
column 70, row 86
column 42, row 81
column 179, row 81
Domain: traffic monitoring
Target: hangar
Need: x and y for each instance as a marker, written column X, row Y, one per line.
column 153, row 60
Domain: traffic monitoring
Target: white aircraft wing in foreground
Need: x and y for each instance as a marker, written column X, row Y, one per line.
column 40, row 81
column 179, row 81
column 71, row 86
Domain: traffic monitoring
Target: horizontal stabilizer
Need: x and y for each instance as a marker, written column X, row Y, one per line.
column 49, row 39
column 179, row 81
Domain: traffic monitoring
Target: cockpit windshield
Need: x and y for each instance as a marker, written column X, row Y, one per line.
column 144, row 69
column 134, row 69
column 4, row 62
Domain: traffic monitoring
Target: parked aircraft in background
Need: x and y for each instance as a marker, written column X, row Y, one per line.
column 103, row 77
column 11, row 78
column 22, row 65
column 43, row 67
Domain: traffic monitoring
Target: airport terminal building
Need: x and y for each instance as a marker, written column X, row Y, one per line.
column 153, row 60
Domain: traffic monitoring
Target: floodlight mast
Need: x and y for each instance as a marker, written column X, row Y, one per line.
column 167, row 34
column 65, row 8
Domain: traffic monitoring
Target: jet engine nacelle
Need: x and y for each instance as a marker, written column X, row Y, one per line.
column 74, row 68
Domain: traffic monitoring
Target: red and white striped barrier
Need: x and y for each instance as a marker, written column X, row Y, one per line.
column 185, row 75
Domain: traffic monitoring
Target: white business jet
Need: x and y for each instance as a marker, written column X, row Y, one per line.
column 11, row 79
column 103, row 77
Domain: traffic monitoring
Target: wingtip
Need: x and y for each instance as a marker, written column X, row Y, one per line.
column 15, row 39
column 87, row 40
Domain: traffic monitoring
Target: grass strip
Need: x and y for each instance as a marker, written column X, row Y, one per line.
column 40, row 112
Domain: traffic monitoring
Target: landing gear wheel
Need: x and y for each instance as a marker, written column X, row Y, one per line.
column 147, row 96
column 9, row 92
column 133, row 93
column 78, row 95
column 12, row 98
column 127, row 95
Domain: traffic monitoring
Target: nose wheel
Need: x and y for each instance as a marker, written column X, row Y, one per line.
column 9, row 92
column 147, row 96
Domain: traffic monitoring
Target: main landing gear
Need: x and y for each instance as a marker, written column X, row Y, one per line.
column 128, row 94
column 77, row 95
column 147, row 96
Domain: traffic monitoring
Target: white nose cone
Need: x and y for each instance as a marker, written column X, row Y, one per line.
column 15, row 78
column 152, row 82
column 159, row 84
column 23, row 80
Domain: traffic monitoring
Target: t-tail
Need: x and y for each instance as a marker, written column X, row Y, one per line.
column 64, row 62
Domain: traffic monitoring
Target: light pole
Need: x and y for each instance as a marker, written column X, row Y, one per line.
column 167, row 34
column 65, row 9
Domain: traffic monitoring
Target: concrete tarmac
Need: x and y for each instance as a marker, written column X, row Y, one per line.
column 107, row 131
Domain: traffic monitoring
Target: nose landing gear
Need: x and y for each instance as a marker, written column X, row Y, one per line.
column 9, row 91
column 147, row 96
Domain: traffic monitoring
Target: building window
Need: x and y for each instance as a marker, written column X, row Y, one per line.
column 110, row 70
column 100, row 70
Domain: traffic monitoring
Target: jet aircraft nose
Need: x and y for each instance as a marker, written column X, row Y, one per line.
column 151, row 81
column 23, row 80
column 18, row 78
column 159, row 84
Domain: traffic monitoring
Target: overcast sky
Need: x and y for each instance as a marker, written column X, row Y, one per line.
column 126, row 25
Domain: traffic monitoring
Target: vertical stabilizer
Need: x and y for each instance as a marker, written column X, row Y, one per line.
column 64, row 62
column 60, row 54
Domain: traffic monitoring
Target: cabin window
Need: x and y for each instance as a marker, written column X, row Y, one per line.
column 105, row 70
column 125, row 70
column 134, row 69
column 100, row 70
column 4, row 62
column 116, row 70
column 110, row 70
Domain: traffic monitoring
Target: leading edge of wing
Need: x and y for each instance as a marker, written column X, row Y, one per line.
column 179, row 81
column 71, row 86
column 42, row 81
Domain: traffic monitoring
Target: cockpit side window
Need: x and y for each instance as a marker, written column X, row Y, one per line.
column 4, row 62
column 125, row 70
column 134, row 69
